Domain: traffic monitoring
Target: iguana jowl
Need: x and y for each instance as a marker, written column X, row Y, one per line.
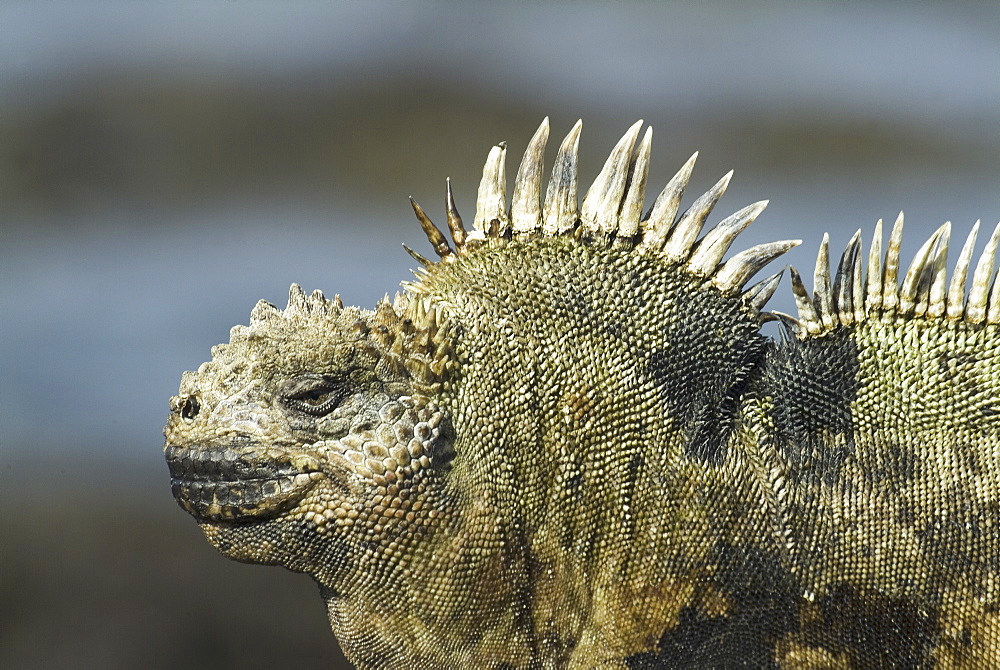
column 567, row 444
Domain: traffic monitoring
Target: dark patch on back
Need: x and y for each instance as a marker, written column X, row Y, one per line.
column 871, row 629
column 866, row 628
column 813, row 384
column 763, row 602
column 703, row 372
column 635, row 465
column 703, row 642
column 711, row 431
column 970, row 458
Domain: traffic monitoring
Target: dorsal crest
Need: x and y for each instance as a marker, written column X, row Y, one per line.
column 610, row 212
column 862, row 290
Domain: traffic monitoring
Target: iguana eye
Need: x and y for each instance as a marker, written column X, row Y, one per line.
column 315, row 397
column 190, row 408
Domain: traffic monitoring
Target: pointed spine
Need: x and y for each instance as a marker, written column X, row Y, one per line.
column 843, row 285
column 939, row 275
column 979, row 294
column 455, row 225
column 560, row 212
column 993, row 315
column 661, row 215
column 822, row 291
column 686, row 231
column 909, row 292
column 858, row 284
column 297, row 301
column 385, row 315
column 491, row 208
column 738, row 270
column 525, row 208
column 599, row 211
column 890, row 286
column 956, row 289
column 710, row 250
column 808, row 318
column 635, row 193
column 790, row 326
column 417, row 257
column 873, row 290
column 758, row 294
column 434, row 236
column 263, row 311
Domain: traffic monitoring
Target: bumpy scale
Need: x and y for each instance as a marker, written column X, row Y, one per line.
column 567, row 444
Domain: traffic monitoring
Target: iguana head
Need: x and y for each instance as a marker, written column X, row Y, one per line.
column 284, row 444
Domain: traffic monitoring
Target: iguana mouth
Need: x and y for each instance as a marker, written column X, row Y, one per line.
column 231, row 484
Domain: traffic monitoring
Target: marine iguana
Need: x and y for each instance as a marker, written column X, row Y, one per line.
column 567, row 444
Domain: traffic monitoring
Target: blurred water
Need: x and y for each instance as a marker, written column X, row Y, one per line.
column 164, row 166
column 863, row 58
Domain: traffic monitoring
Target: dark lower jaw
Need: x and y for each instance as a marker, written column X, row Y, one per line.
column 235, row 484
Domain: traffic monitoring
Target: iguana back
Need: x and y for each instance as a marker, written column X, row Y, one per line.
column 568, row 444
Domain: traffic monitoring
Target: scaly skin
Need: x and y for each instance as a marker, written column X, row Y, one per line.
column 574, row 449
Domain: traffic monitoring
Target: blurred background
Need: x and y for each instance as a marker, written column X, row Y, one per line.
column 164, row 166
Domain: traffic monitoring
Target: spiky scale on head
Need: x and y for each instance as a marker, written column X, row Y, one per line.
column 567, row 444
